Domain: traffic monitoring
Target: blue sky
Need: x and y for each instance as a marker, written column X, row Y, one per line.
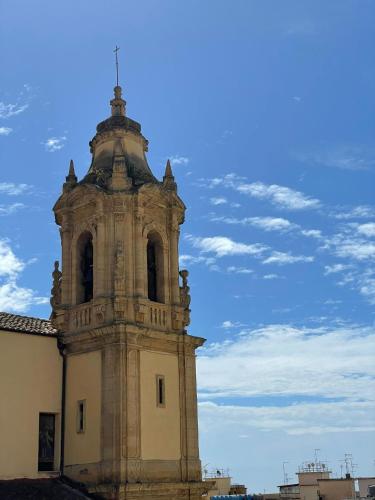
column 266, row 110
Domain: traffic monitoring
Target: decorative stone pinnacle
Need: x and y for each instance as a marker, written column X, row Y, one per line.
column 168, row 169
column 71, row 178
column 168, row 179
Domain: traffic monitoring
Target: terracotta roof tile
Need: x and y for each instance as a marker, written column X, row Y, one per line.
column 26, row 324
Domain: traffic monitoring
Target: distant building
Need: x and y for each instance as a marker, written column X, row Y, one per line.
column 364, row 484
column 337, row 489
column 289, row 492
column 222, row 487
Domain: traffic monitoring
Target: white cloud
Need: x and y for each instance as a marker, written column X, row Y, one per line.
column 282, row 258
column 9, row 110
column 336, row 268
column 12, row 296
column 358, row 212
column 312, row 233
column 10, row 265
column 230, row 324
column 218, row 201
column 296, row 419
column 54, row 144
column 239, row 270
column 11, row 209
column 265, row 223
column 187, row 260
column 12, row 189
column 179, row 160
column 281, row 196
column 5, row 130
column 285, row 360
column 367, row 229
column 271, row 276
column 222, row 246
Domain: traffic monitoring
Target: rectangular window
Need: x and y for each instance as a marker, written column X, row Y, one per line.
column 81, row 416
column 160, row 391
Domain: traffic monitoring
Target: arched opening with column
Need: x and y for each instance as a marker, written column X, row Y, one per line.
column 85, row 268
column 155, row 268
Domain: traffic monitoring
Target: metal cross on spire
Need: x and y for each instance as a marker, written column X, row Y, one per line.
column 115, row 51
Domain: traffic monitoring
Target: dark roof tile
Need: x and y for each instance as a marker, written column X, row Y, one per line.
column 26, row 324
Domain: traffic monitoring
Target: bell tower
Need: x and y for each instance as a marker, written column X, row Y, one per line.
column 121, row 306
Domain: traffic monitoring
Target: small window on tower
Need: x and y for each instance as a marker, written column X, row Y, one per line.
column 81, row 416
column 160, row 391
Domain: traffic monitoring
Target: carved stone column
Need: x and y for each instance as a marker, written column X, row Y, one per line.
column 66, row 264
column 132, row 435
column 111, row 412
column 100, row 275
column 140, row 250
column 174, row 277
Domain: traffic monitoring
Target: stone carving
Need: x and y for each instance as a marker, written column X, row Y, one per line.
column 56, row 286
column 119, row 266
column 185, row 296
column 100, row 313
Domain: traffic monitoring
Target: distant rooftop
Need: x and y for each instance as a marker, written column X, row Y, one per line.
column 26, row 324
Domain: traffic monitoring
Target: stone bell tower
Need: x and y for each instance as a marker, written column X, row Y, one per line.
column 130, row 421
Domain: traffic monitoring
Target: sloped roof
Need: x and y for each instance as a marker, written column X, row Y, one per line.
column 26, row 324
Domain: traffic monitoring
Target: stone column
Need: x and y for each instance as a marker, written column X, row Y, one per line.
column 111, row 411
column 99, row 257
column 173, row 259
column 140, row 257
column 192, row 450
column 132, row 435
column 68, row 273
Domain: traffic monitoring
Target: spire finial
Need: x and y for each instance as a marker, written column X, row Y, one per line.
column 118, row 104
column 115, row 51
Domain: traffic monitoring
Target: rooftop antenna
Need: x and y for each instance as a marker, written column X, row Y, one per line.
column 285, row 474
column 115, row 51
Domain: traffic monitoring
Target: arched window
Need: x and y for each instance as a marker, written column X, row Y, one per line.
column 155, row 268
column 85, row 284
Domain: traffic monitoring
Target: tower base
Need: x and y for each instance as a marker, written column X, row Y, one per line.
column 152, row 491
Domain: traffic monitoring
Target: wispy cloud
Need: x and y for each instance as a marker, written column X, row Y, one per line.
column 179, row 160
column 9, row 110
column 5, row 130
column 336, row 268
column 283, row 258
column 218, row 201
column 334, row 366
column 358, row 212
column 11, row 209
column 280, row 196
column 264, row 223
column 346, row 157
column 13, row 189
column 222, row 246
column 271, row 276
column 187, row 260
column 239, row 270
column 54, row 144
